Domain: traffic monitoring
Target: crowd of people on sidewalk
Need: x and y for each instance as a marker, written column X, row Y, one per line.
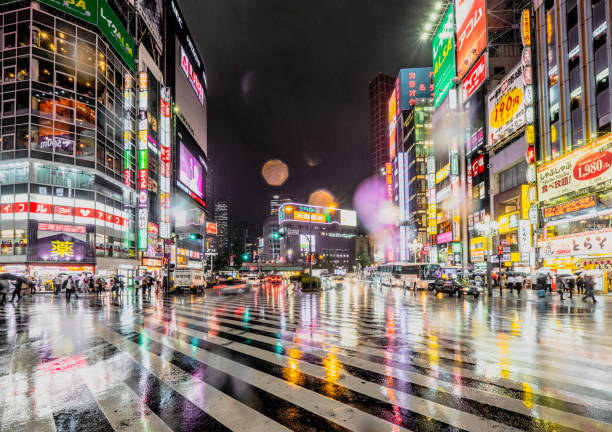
column 72, row 285
column 543, row 281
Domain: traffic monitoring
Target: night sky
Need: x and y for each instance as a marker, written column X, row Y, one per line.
column 288, row 79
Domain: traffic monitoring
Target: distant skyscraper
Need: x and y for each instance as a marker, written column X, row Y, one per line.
column 381, row 88
column 276, row 201
column 222, row 219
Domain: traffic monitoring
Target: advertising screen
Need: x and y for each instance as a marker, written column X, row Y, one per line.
column 506, row 106
column 586, row 167
column 415, row 83
column 471, row 33
column 443, row 49
column 191, row 169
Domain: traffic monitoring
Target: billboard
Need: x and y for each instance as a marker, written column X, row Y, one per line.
column 587, row 166
column 100, row 14
column 191, row 165
column 190, row 95
column 63, row 243
column 191, row 171
column 443, row 50
column 415, row 83
column 316, row 214
column 471, row 33
column 393, row 120
column 506, row 105
column 474, row 79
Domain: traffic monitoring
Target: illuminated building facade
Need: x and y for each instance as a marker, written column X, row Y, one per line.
column 87, row 155
column 380, row 89
column 572, row 40
column 320, row 234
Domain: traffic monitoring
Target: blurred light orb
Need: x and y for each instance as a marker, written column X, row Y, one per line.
column 322, row 198
column 275, row 172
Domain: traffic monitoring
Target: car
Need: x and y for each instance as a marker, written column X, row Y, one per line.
column 231, row 286
column 252, row 279
column 458, row 287
column 274, row 279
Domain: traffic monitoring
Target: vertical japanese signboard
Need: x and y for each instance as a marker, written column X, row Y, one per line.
column 166, row 155
column 443, row 49
column 471, row 33
column 415, row 83
column 393, row 121
column 142, row 161
column 389, row 179
column 128, row 127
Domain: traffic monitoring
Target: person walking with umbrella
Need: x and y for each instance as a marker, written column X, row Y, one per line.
column 519, row 280
column 19, row 282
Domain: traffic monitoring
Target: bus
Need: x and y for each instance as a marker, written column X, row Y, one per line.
column 407, row 275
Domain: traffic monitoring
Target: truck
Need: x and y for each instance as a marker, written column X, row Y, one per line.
column 189, row 280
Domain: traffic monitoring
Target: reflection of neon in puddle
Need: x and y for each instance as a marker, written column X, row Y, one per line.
column 62, row 365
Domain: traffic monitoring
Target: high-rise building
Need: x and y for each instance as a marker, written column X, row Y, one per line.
column 381, row 88
column 271, row 239
column 68, row 175
column 409, row 145
column 222, row 218
column 88, row 167
column 573, row 143
column 276, row 201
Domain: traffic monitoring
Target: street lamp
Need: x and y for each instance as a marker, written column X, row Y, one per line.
column 488, row 228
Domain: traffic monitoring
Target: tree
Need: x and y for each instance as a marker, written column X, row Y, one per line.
column 363, row 258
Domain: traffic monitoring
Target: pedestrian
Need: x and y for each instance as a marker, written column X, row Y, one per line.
column 561, row 287
column 57, row 284
column 581, row 284
column 519, row 280
column 548, row 283
column 502, row 282
column 4, row 289
column 91, row 284
column 589, row 287
column 511, row 280
column 17, row 290
column 570, row 286
column 70, row 288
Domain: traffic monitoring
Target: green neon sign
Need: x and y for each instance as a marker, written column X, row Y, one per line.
column 443, row 48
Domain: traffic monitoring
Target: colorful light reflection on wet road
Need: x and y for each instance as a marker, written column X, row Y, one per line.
column 360, row 357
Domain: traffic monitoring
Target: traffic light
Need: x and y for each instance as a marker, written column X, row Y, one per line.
column 276, row 236
column 245, row 256
column 500, row 250
column 195, row 236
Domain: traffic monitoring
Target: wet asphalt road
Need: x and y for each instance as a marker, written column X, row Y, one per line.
column 360, row 357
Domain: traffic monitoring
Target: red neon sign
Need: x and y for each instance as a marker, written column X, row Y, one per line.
column 61, row 228
column 475, row 78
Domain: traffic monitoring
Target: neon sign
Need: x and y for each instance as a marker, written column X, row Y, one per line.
column 142, row 160
column 192, row 76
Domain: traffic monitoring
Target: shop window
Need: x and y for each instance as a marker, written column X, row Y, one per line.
column 9, row 40
column 85, row 84
column 603, row 108
column 64, row 29
column 8, row 74
column 22, row 137
column 6, row 242
column 65, row 48
column 86, row 145
column 42, row 70
column 65, row 81
column 42, row 37
column 22, row 104
column 8, row 142
column 21, row 242
column 85, row 115
column 8, row 108
column 23, row 34
column 23, row 68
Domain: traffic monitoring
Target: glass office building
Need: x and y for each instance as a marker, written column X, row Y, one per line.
column 67, row 165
